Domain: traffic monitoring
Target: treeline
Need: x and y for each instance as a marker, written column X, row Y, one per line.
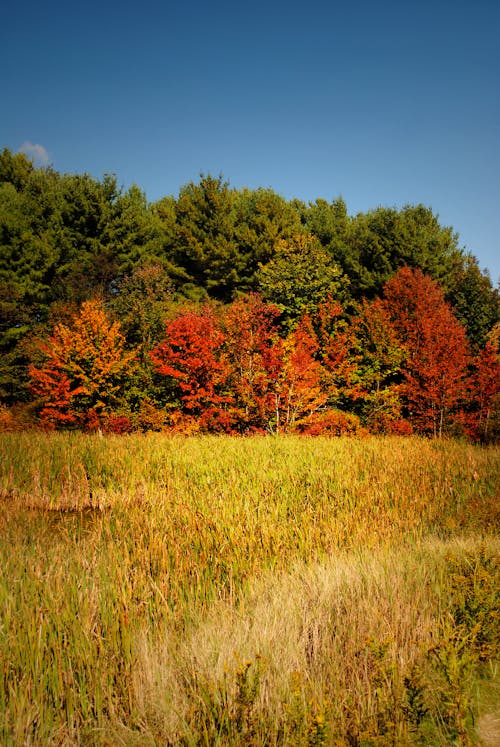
column 236, row 311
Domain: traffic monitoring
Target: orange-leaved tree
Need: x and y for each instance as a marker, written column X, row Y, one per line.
column 436, row 345
column 254, row 352
column 298, row 392
column 85, row 370
column 338, row 354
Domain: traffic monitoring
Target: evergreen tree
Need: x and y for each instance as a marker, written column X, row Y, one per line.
column 205, row 245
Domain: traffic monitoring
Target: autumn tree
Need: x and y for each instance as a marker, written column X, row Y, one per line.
column 254, row 353
column 338, row 354
column 380, row 355
column 298, row 392
column 85, row 370
column 482, row 415
column 191, row 355
column 436, row 348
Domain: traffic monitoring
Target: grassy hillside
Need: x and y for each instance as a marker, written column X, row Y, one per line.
column 277, row 591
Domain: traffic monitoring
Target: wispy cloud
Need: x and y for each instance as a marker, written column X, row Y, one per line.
column 36, row 152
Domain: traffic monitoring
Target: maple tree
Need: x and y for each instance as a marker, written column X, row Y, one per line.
column 482, row 417
column 298, row 393
column 84, row 371
column 338, row 354
column 192, row 355
column 436, row 345
column 254, row 352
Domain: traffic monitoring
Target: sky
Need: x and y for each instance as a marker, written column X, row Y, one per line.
column 382, row 103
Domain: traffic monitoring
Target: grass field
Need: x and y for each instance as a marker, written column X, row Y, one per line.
column 253, row 591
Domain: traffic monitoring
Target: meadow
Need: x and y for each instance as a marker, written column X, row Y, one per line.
column 208, row 590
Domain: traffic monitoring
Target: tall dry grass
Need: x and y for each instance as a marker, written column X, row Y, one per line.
column 258, row 591
column 340, row 652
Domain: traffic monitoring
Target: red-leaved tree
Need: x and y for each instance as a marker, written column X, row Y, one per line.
column 192, row 354
column 435, row 367
column 482, row 417
column 337, row 351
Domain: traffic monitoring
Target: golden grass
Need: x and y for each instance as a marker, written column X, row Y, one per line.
column 339, row 638
column 265, row 590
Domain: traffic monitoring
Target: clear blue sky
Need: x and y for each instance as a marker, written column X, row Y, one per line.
column 385, row 103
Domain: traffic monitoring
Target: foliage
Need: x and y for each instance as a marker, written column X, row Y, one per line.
column 192, row 355
column 262, row 218
column 338, row 354
column 330, row 223
column 474, row 600
column 205, row 246
column 482, row 416
column 382, row 241
column 142, row 303
column 436, row 348
column 254, row 354
column 66, row 239
column 400, row 364
column 88, row 263
column 86, row 365
column 298, row 393
column 475, row 303
column 299, row 277
column 381, row 355
column 331, row 423
column 15, row 323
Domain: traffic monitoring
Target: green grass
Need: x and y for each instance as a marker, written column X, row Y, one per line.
column 210, row 590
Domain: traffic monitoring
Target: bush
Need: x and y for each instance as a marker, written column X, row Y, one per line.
column 149, row 417
column 118, row 424
column 331, row 423
column 17, row 418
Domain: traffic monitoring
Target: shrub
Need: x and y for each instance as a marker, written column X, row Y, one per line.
column 118, row 424
column 331, row 423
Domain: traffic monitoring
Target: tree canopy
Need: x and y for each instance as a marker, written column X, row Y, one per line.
column 300, row 296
